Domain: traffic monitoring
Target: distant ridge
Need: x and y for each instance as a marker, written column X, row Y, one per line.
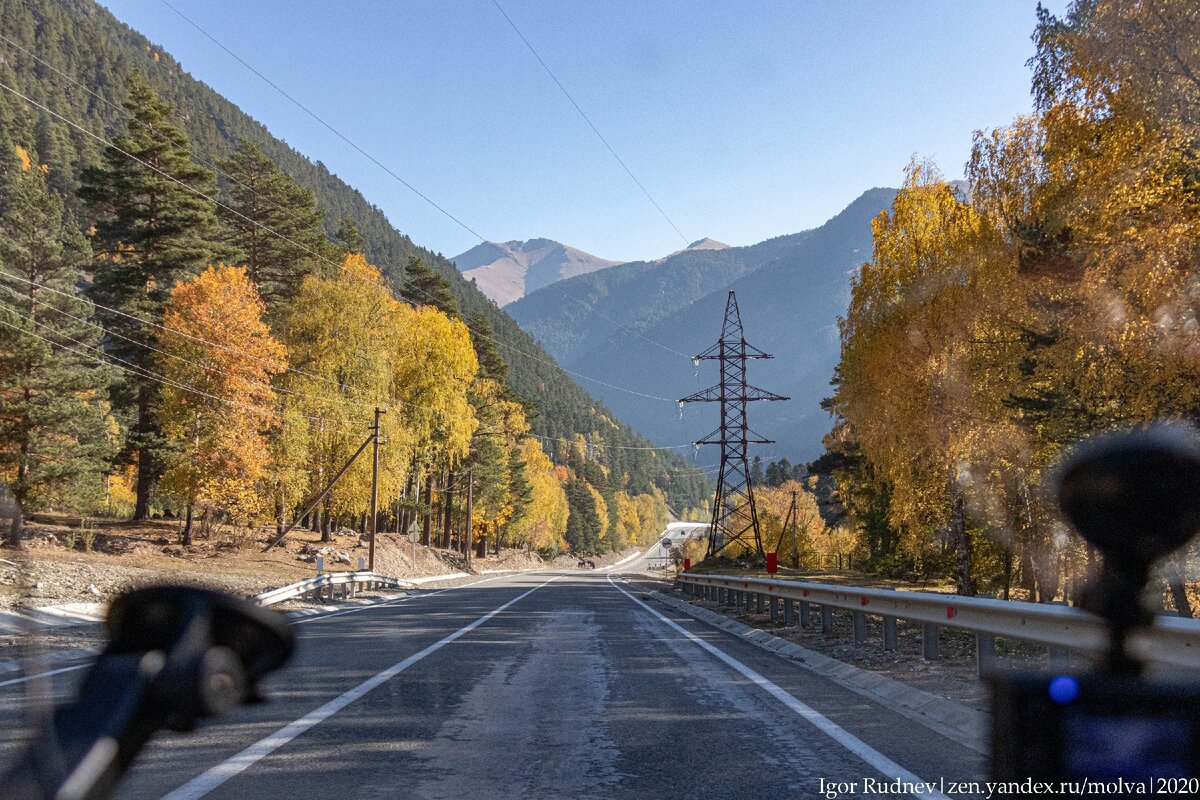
column 791, row 290
column 700, row 244
column 508, row 271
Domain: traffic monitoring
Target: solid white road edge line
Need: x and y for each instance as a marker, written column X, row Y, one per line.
column 877, row 760
column 398, row 600
column 205, row 782
column 23, row 678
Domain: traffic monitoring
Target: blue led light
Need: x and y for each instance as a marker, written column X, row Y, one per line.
column 1063, row 689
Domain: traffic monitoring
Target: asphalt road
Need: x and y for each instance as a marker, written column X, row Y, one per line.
column 536, row 686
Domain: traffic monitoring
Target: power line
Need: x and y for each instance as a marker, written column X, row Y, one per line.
column 134, row 369
column 159, row 134
column 234, row 211
column 409, row 186
column 329, row 127
column 586, row 119
column 320, row 399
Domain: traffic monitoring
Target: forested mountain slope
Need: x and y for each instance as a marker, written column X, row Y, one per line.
column 635, row 295
column 790, row 289
column 85, row 43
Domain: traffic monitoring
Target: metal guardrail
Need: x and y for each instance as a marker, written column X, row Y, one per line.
column 1171, row 641
column 349, row 583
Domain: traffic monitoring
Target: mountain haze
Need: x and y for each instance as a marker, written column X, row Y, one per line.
column 508, row 271
column 790, row 290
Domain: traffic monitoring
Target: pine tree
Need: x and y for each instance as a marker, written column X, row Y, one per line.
column 275, row 225
column 756, row 471
column 491, row 363
column 53, row 438
column 150, row 232
column 424, row 287
column 348, row 237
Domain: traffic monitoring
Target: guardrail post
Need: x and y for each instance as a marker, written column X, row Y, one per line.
column 774, row 606
column 929, row 641
column 860, row 626
column 789, row 613
column 805, row 611
column 826, row 619
column 889, row 634
column 985, row 653
column 758, row 605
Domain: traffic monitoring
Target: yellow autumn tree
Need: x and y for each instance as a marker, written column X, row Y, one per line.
column 217, row 358
column 542, row 522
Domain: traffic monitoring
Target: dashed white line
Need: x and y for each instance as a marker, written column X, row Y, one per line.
column 204, row 783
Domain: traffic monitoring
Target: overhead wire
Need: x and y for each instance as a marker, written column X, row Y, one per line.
column 129, row 117
column 142, row 372
column 269, row 230
column 206, row 367
column 412, row 188
column 586, row 119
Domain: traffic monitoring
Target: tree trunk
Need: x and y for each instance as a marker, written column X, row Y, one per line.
column 427, row 517
column 280, row 507
column 402, row 518
column 187, row 527
column 327, row 525
column 1174, row 579
column 961, row 540
column 1008, row 572
column 13, row 539
column 147, row 464
column 447, row 508
column 481, row 545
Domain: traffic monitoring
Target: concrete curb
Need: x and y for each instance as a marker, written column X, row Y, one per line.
column 967, row 726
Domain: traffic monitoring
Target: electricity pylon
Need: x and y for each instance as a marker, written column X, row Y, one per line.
column 735, row 518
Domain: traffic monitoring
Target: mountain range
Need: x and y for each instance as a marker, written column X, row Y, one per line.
column 508, row 271
column 648, row 318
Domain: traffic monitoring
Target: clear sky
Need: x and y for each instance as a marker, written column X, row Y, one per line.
column 744, row 120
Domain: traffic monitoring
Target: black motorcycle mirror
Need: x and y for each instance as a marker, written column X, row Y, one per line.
column 1135, row 495
column 175, row 655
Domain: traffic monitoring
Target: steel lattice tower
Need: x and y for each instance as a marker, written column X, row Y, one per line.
column 734, row 516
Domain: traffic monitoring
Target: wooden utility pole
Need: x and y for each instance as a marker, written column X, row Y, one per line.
column 374, row 490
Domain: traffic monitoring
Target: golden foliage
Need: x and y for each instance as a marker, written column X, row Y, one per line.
column 217, row 358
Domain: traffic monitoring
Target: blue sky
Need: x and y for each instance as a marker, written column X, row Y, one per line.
column 743, row 120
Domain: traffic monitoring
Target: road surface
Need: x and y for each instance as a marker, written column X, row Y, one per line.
column 535, row 686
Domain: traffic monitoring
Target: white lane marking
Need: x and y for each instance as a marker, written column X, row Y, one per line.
column 881, row 763
column 204, row 783
column 24, row 678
